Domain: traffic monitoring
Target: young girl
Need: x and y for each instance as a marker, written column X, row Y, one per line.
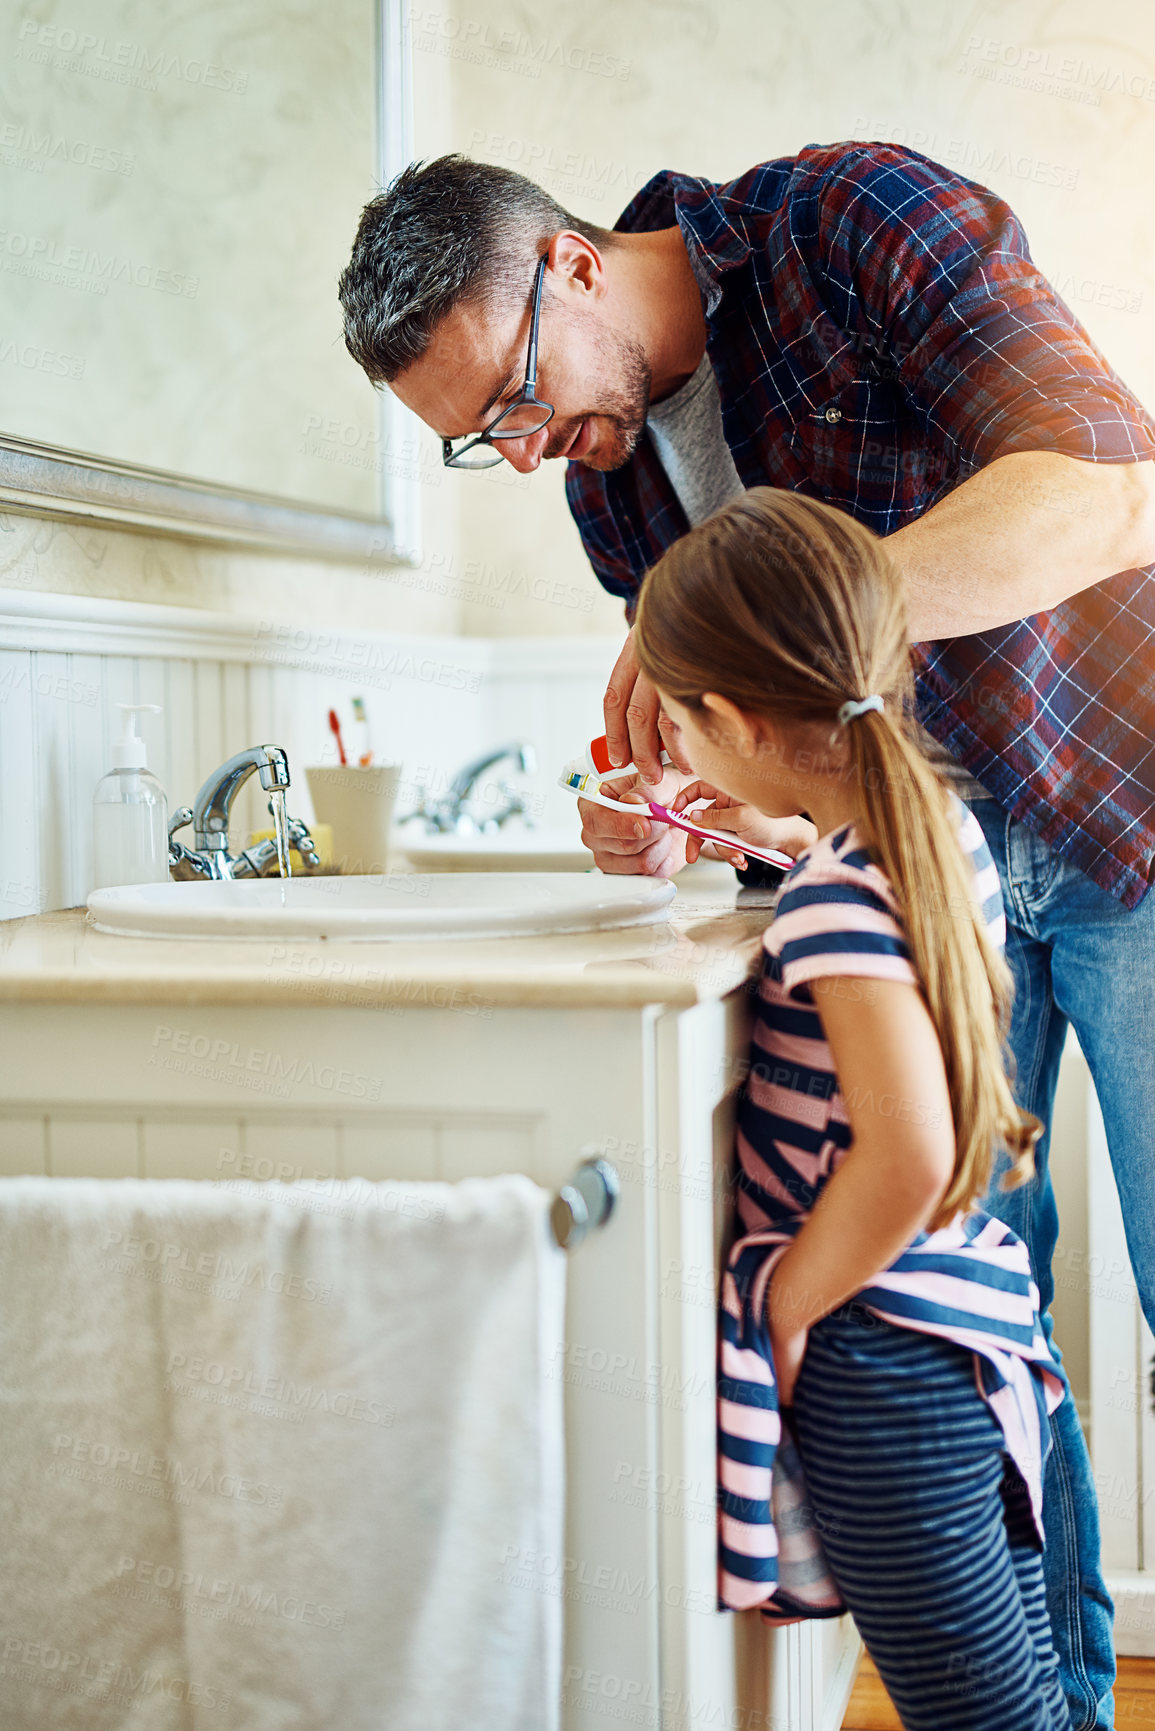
column 869, row 1303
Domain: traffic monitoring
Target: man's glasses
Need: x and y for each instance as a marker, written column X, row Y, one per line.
column 523, row 416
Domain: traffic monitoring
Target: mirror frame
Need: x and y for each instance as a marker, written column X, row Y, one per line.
column 50, row 481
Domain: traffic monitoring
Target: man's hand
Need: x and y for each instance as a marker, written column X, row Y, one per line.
column 636, row 846
column 636, row 732
column 635, row 726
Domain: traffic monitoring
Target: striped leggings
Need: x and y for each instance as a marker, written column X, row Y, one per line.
column 929, row 1539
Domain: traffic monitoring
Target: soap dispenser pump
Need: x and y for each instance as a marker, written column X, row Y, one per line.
column 130, row 813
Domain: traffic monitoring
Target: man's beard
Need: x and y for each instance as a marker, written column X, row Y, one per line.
column 623, row 408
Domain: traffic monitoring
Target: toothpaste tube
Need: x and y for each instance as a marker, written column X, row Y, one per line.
column 597, row 761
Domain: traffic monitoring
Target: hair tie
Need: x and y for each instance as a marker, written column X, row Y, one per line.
column 851, row 708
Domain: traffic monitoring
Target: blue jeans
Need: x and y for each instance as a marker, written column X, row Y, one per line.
column 1079, row 959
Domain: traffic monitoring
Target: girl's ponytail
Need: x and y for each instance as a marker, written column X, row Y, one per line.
column 908, row 822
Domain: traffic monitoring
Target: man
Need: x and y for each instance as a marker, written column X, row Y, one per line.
column 862, row 325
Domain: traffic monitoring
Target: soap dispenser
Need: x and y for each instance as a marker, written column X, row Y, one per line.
column 130, row 813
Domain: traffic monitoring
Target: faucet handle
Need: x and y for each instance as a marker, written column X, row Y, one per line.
column 178, row 854
column 515, row 806
column 300, row 838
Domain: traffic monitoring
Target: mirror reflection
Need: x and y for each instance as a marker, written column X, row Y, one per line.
column 177, row 187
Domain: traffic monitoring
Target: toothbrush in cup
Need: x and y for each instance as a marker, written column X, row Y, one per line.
column 362, row 720
column 335, row 730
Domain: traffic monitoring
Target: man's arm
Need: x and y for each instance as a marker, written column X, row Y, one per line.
column 933, row 276
column 1024, row 534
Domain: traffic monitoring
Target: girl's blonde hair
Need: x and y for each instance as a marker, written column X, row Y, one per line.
column 788, row 608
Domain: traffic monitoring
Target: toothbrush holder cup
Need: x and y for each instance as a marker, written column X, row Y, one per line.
column 358, row 805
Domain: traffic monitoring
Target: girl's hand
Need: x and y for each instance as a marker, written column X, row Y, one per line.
column 789, row 1349
column 788, row 1337
column 788, row 835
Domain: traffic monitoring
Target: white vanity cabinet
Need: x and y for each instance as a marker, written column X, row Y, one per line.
column 416, row 1077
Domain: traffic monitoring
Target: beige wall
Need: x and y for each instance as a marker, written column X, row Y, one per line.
column 1049, row 102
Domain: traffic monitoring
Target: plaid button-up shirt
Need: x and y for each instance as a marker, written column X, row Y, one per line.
column 879, row 332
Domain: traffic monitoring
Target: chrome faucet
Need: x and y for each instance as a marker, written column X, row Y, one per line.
column 449, row 814
column 209, row 815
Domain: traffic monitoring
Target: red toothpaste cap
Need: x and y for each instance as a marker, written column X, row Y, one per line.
column 600, row 755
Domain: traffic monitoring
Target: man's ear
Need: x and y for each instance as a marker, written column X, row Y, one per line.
column 577, row 266
column 735, row 730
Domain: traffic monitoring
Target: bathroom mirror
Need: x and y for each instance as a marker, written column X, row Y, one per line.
column 179, row 187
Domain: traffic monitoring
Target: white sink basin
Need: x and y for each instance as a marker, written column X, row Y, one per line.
column 396, row 906
column 523, row 850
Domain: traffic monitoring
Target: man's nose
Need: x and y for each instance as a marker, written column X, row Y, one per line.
column 524, row 454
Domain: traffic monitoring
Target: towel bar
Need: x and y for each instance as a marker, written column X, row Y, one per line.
column 585, row 1202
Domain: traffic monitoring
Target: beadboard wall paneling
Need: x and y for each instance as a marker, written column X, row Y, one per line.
column 224, row 683
column 46, row 1139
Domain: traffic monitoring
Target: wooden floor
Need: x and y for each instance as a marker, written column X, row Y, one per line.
column 870, row 1706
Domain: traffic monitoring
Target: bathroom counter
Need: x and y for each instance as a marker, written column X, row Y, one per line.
column 707, row 947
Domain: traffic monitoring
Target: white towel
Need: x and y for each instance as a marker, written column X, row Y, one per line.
column 280, row 1457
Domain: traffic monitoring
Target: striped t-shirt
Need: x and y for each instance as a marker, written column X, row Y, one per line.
column 970, row 1281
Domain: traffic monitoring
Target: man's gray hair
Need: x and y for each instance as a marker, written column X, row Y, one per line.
column 443, row 233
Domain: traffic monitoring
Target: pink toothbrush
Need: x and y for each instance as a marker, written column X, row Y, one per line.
column 579, row 780
column 771, row 856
